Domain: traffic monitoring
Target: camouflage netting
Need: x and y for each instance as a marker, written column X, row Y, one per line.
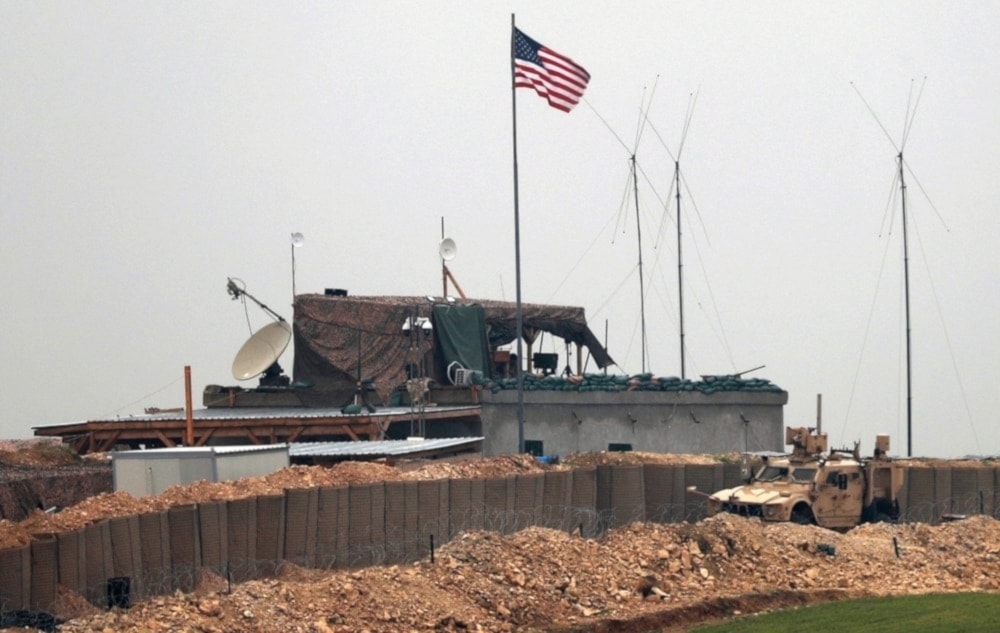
column 339, row 338
column 640, row 382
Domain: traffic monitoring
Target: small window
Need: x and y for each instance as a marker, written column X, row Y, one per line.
column 534, row 447
column 803, row 474
column 619, row 448
column 772, row 473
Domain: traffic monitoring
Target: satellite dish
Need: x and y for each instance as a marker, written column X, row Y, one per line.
column 298, row 239
column 447, row 249
column 261, row 350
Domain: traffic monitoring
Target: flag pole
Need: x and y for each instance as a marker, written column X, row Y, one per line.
column 517, row 254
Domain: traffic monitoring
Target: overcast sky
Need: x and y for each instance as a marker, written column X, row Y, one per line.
column 150, row 150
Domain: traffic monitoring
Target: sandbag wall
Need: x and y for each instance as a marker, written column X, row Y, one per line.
column 121, row 560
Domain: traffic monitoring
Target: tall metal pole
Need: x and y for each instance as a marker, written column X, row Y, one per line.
column 517, row 253
column 188, row 410
column 642, row 286
column 819, row 413
column 444, row 268
column 906, row 282
column 680, row 262
column 297, row 241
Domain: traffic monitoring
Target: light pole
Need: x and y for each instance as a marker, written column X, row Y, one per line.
column 297, row 241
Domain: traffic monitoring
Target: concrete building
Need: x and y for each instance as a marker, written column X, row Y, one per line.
column 388, row 368
column 559, row 423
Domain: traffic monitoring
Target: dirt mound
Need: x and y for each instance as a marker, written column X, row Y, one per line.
column 37, row 453
column 38, row 475
column 639, row 577
column 639, row 457
column 110, row 505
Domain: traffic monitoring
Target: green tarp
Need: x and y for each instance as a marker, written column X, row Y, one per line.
column 461, row 336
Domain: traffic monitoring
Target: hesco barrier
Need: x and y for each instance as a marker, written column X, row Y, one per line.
column 121, row 560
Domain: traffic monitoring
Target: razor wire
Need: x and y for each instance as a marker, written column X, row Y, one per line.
column 401, row 538
column 355, row 549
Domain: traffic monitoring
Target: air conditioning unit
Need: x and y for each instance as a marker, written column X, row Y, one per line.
column 466, row 376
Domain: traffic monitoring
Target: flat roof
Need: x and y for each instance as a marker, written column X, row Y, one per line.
column 263, row 413
column 344, row 450
column 379, row 448
column 191, row 451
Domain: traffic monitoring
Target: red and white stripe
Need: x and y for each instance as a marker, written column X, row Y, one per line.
column 559, row 80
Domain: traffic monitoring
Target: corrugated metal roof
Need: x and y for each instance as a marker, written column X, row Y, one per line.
column 377, row 448
column 265, row 413
column 199, row 450
column 247, row 449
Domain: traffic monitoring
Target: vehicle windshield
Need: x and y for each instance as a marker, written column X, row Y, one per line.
column 772, row 473
column 781, row 473
column 804, row 475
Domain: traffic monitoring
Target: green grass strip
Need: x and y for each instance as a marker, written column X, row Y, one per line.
column 931, row 613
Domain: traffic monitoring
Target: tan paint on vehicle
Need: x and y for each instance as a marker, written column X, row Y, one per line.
column 829, row 487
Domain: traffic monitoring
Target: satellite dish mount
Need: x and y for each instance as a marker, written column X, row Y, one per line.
column 259, row 354
column 447, row 249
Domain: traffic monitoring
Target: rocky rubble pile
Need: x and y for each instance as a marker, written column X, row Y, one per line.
column 664, row 576
column 644, row 576
column 118, row 504
column 41, row 474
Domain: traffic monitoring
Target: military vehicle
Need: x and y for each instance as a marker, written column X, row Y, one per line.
column 835, row 489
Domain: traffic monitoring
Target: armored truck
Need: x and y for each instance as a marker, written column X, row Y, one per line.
column 832, row 488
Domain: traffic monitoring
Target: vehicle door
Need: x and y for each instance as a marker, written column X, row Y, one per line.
column 840, row 497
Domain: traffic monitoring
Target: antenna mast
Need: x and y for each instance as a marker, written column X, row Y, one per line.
column 908, row 121
column 906, row 282
column 680, row 263
column 680, row 259
column 444, row 267
column 642, row 287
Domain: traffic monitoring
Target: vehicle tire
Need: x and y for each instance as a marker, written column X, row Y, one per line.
column 885, row 512
column 802, row 514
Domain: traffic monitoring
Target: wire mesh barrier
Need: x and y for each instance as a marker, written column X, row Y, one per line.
column 116, row 562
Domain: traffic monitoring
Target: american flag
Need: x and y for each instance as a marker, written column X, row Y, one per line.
column 556, row 78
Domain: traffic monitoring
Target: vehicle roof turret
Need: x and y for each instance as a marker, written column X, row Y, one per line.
column 807, row 445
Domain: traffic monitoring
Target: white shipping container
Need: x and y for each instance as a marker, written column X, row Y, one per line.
column 149, row 472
